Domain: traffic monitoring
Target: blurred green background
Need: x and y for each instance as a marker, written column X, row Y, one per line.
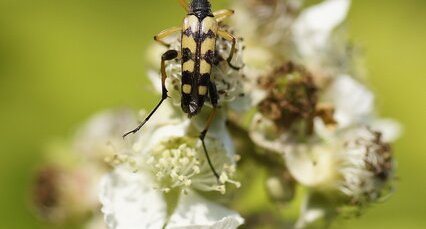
column 61, row 61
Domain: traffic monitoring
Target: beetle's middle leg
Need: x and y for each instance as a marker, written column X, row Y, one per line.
column 165, row 33
column 168, row 55
column 213, row 99
column 229, row 37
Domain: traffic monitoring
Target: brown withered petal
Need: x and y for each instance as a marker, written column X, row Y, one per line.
column 291, row 96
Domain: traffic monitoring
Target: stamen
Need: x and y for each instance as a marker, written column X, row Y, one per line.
column 180, row 162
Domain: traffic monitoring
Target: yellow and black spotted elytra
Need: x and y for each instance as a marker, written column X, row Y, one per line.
column 200, row 31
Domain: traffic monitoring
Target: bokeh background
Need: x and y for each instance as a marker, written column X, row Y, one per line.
column 61, row 61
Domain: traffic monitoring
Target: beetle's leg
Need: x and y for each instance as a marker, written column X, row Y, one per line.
column 229, row 37
column 221, row 15
column 213, row 99
column 184, row 5
column 165, row 33
column 168, row 55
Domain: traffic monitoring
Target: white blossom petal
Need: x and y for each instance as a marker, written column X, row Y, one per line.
column 130, row 202
column 316, row 212
column 146, row 141
column 390, row 129
column 312, row 165
column 217, row 129
column 313, row 27
column 155, row 79
column 195, row 212
column 101, row 135
column 353, row 102
column 265, row 134
column 309, row 216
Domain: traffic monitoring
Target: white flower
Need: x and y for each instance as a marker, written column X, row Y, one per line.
column 357, row 164
column 344, row 175
column 130, row 202
column 288, row 110
column 169, row 149
column 167, row 157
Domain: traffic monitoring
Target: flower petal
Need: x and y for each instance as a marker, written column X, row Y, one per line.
column 100, row 136
column 312, row 165
column 313, row 27
column 195, row 212
column 129, row 202
column 316, row 212
column 390, row 129
column 354, row 103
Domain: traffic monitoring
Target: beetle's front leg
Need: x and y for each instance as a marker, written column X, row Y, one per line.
column 165, row 33
column 221, row 15
column 168, row 55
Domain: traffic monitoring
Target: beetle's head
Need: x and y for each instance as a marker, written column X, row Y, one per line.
column 197, row 6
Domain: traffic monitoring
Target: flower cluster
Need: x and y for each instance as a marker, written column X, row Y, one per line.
column 297, row 113
column 312, row 109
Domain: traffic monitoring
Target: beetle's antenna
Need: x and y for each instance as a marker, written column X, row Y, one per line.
column 184, row 5
column 144, row 121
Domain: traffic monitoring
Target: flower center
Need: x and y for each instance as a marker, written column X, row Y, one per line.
column 291, row 98
column 180, row 162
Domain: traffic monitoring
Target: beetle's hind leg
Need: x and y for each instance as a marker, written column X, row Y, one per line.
column 213, row 98
column 168, row 55
column 229, row 37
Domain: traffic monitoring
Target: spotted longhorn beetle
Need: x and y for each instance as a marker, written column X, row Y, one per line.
column 199, row 33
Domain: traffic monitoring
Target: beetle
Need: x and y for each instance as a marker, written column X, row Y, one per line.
column 199, row 32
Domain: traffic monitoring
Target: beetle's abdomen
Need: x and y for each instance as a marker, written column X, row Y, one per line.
column 198, row 48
